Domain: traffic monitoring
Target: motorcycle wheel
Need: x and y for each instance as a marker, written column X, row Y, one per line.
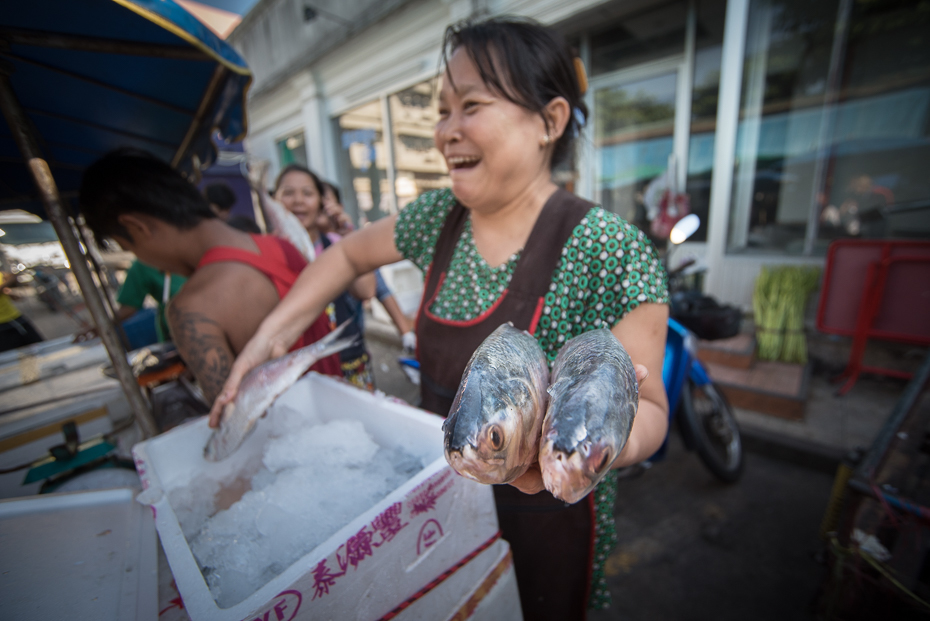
column 708, row 420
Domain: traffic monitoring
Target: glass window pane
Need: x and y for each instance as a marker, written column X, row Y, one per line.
column 634, row 129
column 292, row 150
column 365, row 189
column 875, row 183
column 706, row 85
column 828, row 153
column 786, row 65
column 418, row 163
column 651, row 35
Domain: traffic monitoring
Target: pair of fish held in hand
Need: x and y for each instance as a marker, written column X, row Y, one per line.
column 507, row 416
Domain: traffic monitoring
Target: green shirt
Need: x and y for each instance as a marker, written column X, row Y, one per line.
column 141, row 281
column 608, row 268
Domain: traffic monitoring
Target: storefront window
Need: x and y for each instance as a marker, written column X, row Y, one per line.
column 651, row 35
column 365, row 191
column 834, row 135
column 703, row 126
column 292, row 150
column 418, row 163
column 634, row 125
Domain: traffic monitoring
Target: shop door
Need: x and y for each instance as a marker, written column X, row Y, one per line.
column 640, row 138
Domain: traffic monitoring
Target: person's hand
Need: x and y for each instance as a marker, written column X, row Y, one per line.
column 641, row 373
column 256, row 351
column 86, row 335
column 409, row 341
column 530, row 482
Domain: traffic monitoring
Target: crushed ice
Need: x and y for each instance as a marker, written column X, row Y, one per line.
column 297, row 499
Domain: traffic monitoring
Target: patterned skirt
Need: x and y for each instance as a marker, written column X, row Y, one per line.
column 358, row 372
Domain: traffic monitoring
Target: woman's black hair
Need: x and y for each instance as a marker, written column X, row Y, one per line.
column 134, row 181
column 298, row 168
column 525, row 62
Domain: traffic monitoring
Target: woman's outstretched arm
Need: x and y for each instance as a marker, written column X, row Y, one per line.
column 318, row 284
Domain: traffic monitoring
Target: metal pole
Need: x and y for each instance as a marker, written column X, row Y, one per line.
column 38, row 167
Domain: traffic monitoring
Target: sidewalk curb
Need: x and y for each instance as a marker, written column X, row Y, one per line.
column 811, row 455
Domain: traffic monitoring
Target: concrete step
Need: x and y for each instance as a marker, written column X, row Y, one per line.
column 775, row 388
column 738, row 352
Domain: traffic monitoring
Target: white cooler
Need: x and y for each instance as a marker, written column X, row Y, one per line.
column 429, row 550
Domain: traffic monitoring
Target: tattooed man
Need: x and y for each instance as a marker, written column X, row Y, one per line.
column 234, row 278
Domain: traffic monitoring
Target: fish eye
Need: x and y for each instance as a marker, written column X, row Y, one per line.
column 496, row 438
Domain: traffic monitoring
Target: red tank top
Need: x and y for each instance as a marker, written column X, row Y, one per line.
column 281, row 263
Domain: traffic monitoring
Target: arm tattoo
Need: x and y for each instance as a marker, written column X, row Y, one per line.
column 205, row 350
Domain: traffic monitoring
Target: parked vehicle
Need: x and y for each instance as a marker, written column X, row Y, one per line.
column 28, row 241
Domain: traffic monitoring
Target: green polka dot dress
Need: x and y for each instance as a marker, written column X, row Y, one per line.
column 608, row 268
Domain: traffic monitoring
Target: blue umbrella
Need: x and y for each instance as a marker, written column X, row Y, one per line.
column 79, row 78
column 95, row 75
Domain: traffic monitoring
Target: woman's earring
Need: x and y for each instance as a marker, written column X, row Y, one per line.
column 545, row 140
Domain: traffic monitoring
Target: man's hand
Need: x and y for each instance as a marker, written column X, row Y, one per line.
column 257, row 351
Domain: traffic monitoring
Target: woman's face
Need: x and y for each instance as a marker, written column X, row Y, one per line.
column 492, row 146
column 299, row 195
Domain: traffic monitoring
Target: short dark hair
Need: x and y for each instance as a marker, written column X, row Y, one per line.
column 221, row 195
column 133, row 181
column 298, row 168
column 335, row 189
column 245, row 224
column 525, row 62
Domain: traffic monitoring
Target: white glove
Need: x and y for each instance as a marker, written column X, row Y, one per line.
column 409, row 340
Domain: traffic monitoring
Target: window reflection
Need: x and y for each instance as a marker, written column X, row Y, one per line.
column 292, row 150
column 833, row 137
column 418, row 163
column 364, row 162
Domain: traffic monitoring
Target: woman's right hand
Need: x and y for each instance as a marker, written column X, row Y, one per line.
column 255, row 352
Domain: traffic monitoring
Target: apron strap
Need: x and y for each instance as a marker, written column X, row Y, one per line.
column 543, row 251
column 444, row 249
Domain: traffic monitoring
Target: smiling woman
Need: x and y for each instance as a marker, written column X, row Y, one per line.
column 505, row 244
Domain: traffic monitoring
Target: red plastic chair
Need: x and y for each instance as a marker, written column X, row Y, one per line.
column 875, row 289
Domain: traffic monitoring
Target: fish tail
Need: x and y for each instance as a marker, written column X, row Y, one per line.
column 332, row 347
column 332, row 336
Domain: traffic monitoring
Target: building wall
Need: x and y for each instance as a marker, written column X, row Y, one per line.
column 394, row 44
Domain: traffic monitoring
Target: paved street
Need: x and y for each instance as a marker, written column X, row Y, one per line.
column 690, row 548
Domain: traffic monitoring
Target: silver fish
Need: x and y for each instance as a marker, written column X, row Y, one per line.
column 492, row 432
column 261, row 386
column 592, row 402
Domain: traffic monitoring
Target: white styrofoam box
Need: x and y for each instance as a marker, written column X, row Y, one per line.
column 484, row 588
column 372, row 564
column 497, row 598
column 84, row 555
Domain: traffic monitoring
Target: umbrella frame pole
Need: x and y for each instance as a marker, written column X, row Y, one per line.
column 22, row 132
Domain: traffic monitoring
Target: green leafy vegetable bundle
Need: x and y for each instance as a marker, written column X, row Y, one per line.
column 778, row 303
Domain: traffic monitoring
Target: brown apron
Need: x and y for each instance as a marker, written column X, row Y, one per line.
column 552, row 542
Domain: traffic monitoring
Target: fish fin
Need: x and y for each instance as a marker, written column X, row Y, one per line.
column 332, row 336
column 333, row 347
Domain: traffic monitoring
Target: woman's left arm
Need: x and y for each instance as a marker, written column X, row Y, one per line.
column 642, row 332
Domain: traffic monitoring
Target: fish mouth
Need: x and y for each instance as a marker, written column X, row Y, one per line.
column 488, row 470
column 571, row 475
